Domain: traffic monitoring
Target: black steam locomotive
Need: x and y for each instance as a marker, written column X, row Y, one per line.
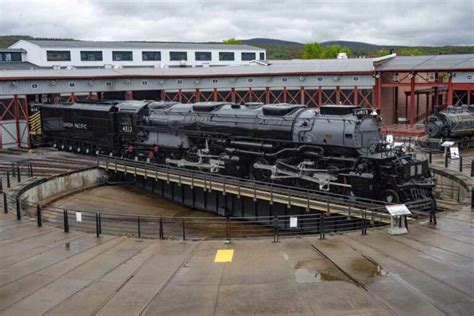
column 333, row 148
column 456, row 123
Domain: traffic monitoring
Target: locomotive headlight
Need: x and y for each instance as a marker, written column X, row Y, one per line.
column 374, row 112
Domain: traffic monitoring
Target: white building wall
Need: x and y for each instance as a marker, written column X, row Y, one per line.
column 38, row 56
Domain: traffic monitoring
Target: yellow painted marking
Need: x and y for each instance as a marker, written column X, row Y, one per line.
column 224, row 255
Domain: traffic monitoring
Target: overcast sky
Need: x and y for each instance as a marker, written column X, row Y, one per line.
column 406, row 22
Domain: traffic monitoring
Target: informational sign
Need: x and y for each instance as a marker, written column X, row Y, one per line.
column 447, row 143
column 389, row 138
column 454, row 152
column 293, row 222
column 78, row 216
column 398, row 209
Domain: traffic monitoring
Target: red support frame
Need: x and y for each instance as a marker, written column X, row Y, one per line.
column 15, row 110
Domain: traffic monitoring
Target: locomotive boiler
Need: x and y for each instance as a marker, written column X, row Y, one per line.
column 455, row 123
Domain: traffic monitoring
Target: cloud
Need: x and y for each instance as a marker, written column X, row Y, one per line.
column 405, row 22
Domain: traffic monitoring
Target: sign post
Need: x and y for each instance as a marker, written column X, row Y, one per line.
column 398, row 213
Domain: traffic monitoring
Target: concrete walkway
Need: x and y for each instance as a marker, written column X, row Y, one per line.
column 430, row 271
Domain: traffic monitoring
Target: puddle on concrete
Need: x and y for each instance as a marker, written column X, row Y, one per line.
column 316, row 270
column 367, row 267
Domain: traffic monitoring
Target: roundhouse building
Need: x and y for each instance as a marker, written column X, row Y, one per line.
column 405, row 89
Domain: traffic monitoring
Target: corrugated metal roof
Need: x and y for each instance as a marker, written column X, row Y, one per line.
column 61, row 44
column 296, row 67
column 426, row 63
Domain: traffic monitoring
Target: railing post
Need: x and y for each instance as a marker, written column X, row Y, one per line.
column 5, row 203
column 472, row 168
column 139, row 227
column 161, row 228
column 460, row 163
column 321, row 227
column 18, row 209
column 38, row 215
column 97, row 231
column 364, row 222
column 18, row 173
column 1, row 184
column 184, row 230
column 430, row 157
column 275, row 229
column 8, row 178
column 66, row 221
column 100, row 224
column 446, row 160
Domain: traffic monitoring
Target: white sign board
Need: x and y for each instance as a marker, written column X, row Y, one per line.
column 398, row 209
column 293, row 222
column 448, row 143
column 454, row 152
column 78, row 216
column 389, row 138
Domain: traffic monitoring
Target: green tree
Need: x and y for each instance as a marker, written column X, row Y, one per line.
column 312, row 51
column 410, row 52
column 231, row 41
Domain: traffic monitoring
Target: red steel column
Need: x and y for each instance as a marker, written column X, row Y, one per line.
column 320, row 96
column 250, row 95
column 450, row 90
column 232, row 95
column 469, row 96
column 16, row 106
column 284, row 94
column 302, row 95
column 412, row 100
column 356, row 96
column 216, row 96
column 338, row 95
column 180, row 96
column 163, row 95
column 197, row 95
column 267, row 95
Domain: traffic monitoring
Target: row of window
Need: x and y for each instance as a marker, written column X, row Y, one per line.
column 9, row 56
column 61, row 55
column 180, row 82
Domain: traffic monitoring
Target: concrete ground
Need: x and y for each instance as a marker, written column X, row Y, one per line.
column 430, row 271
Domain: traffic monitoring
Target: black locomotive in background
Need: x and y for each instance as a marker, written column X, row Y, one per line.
column 456, row 123
column 333, row 148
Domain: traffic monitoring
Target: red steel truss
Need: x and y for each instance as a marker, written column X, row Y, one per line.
column 14, row 110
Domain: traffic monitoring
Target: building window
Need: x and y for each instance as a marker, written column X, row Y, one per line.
column 144, row 83
column 10, row 56
column 34, row 85
column 72, row 84
column 249, row 80
column 151, row 56
column 248, row 56
column 355, row 78
column 91, row 56
column 203, row 56
column 179, row 81
column 58, row 55
column 108, row 83
column 215, row 81
column 226, row 56
column 122, row 56
column 262, row 56
column 178, row 56
column 284, row 79
column 320, row 78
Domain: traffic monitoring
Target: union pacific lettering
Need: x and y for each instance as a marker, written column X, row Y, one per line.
column 74, row 125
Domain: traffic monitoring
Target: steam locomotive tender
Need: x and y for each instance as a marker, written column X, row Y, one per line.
column 334, row 148
column 455, row 123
